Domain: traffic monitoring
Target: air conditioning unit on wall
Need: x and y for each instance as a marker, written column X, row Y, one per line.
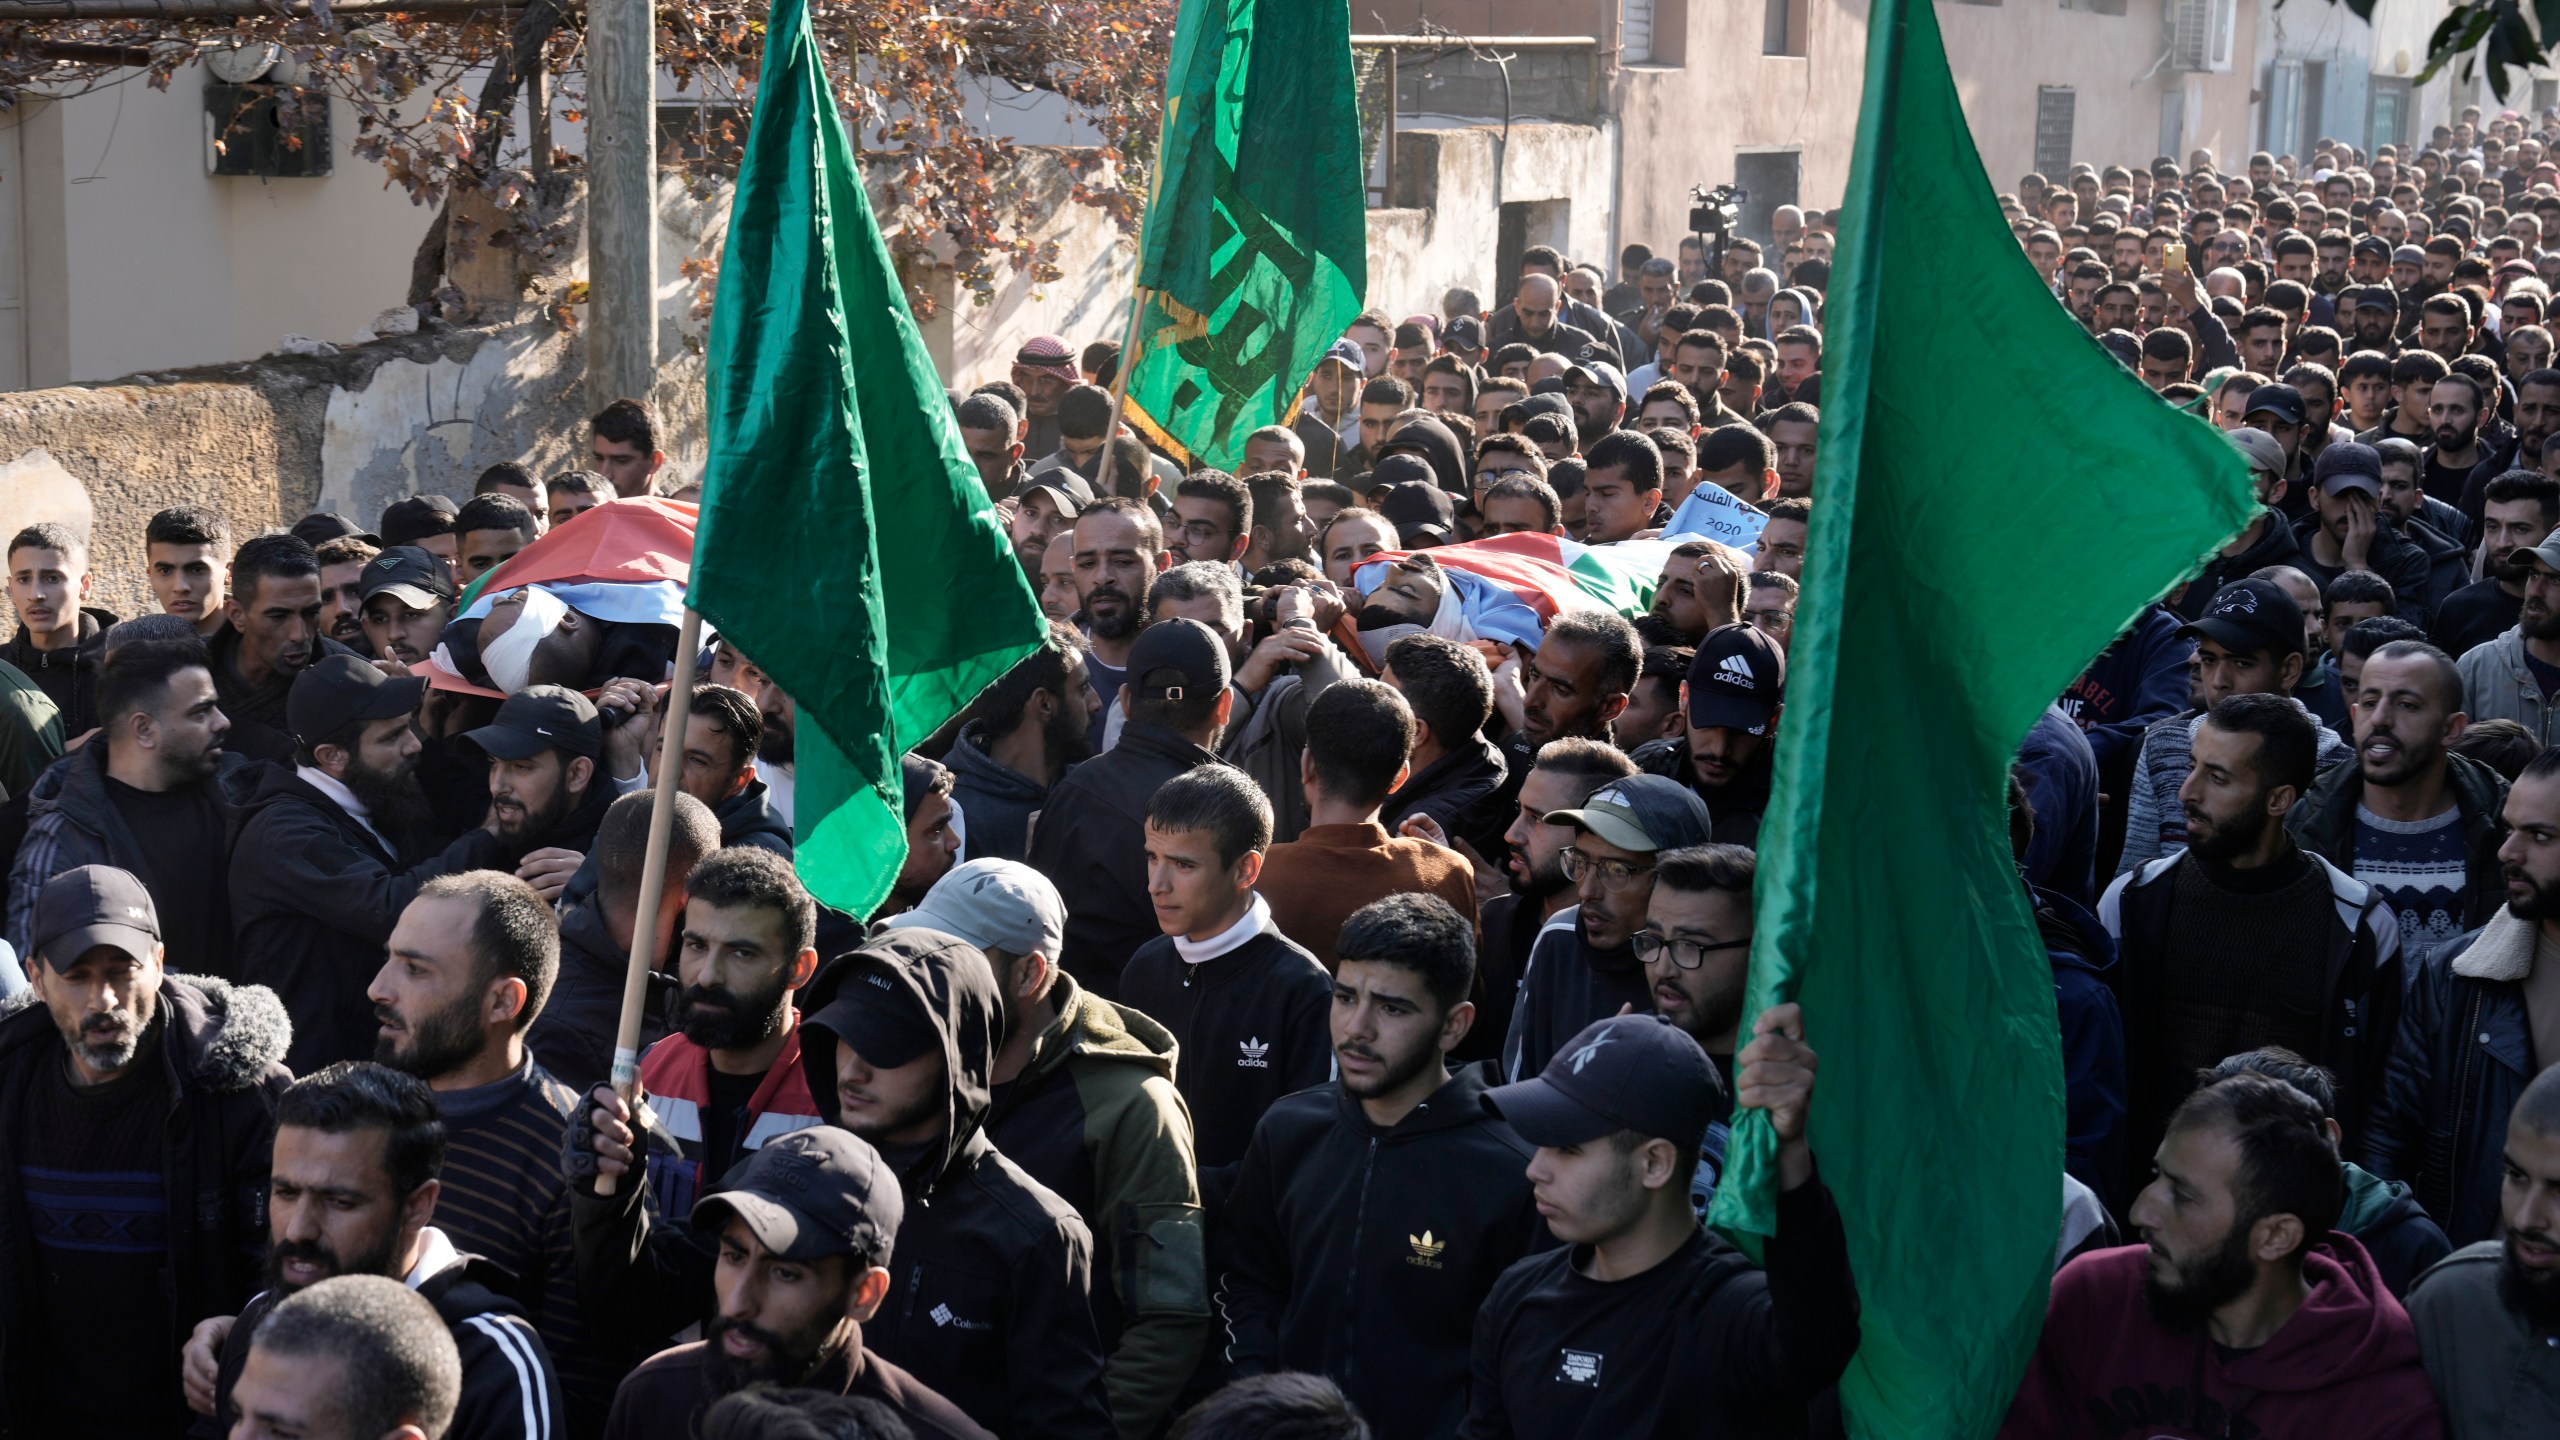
column 2201, row 34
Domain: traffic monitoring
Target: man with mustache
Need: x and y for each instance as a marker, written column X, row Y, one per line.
column 342, row 563
column 359, row 1155
column 1031, row 725
column 805, row 1232
column 404, row 598
column 1531, row 860
column 146, row 1101
column 1584, row 967
column 1377, row 1284
column 547, row 786
column 274, row 635
column 470, row 965
column 1735, row 689
column 2518, row 509
column 1119, row 550
column 146, row 796
column 2244, row 938
column 2482, row 1314
column 2411, row 818
column 337, row 848
column 2243, row 1299
column 2479, row 1023
column 2502, row 680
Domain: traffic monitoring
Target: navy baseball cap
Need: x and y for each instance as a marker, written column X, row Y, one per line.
column 1349, row 353
column 1641, row 812
column 812, row 1193
column 2248, row 616
column 1628, row 1072
column 1737, row 680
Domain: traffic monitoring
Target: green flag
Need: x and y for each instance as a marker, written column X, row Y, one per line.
column 1256, row 245
column 1953, row 587
column 881, row 608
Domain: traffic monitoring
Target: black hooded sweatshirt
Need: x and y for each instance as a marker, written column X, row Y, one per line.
column 1363, row 1253
column 67, row 677
column 1436, row 443
column 991, row 1274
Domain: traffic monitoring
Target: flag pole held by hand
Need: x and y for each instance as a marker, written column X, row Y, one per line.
column 653, row 875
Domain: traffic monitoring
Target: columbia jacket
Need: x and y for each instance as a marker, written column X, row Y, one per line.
column 990, row 1294
column 998, row 800
column 2324, row 823
column 2345, row 1364
column 223, row 1046
column 1091, row 843
column 2155, row 822
column 2360, row 994
column 1095, row 1117
column 2464, row 1052
column 2498, row 685
column 510, row 1390
column 313, row 904
column 71, row 823
column 1363, row 1253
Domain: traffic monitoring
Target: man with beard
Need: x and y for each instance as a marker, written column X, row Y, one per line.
column 1696, row 949
column 805, row 1231
column 1562, row 776
column 2479, row 1022
column 2245, row 939
column 144, row 795
column 404, row 598
column 1025, row 730
column 342, row 563
column 1091, row 839
column 274, row 635
column 2484, row 1315
column 359, row 1152
column 933, row 831
column 470, row 964
column 2455, row 409
column 2249, row 641
column 1584, row 966
column 731, row 667
column 2411, row 818
column 2537, row 416
column 2518, row 509
column 574, row 1036
column 2516, row 676
column 1735, row 690
column 2242, row 1300
column 1119, row 550
column 1044, row 512
column 547, row 790
column 337, row 848
column 349, row 1359
column 1084, row 1102
column 721, row 736
column 1441, row 1206
column 2348, row 529
column 1585, row 666
column 991, row 1304
column 144, row 1103
column 2376, row 314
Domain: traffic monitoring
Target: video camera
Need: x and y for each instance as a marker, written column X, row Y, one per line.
column 1715, row 211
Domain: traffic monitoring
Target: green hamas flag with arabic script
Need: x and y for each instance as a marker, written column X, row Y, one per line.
column 1256, row 248
column 1886, row 902
column 842, row 518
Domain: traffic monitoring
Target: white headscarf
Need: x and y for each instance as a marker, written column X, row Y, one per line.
column 509, row 658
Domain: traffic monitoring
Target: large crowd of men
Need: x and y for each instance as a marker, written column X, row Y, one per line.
column 1313, row 1002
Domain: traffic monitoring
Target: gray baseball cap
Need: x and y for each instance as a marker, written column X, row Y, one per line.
column 994, row 905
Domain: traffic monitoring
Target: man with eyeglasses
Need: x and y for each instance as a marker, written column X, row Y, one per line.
column 1696, row 949
column 1583, row 967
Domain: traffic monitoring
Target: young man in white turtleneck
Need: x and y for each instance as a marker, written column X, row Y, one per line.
column 1249, row 1006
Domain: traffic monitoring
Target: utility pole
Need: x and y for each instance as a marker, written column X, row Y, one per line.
column 622, row 199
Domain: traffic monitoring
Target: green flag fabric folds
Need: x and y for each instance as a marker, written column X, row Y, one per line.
column 1970, row 429
column 1256, row 248
column 846, row 543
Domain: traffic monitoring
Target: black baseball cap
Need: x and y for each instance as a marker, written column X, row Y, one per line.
column 1628, row 1072
column 1464, row 333
column 539, row 718
column 812, row 1193
column 1067, row 488
column 341, row 690
column 2372, row 245
column 2282, row 401
column 406, row 522
column 322, row 526
column 92, row 905
column 1399, row 467
column 1420, row 510
column 2377, row 297
column 2348, row 465
column 879, row 1015
column 1737, row 680
column 1173, row 658
column 414, row 577
column 2248, row 616
column 1642, row 812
